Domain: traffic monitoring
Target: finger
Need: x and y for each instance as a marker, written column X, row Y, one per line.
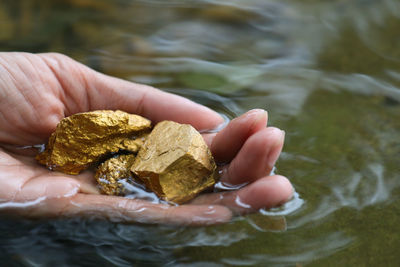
column 228, row 141
column 119, row 209
column 156, row 105
column 131, row 210
column 93, row 91
column 47, row 187
column 268, row 192
column 256, row 158
column 208, row 138
column 88, row 184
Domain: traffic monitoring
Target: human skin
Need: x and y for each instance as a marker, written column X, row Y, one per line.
column 38, row 90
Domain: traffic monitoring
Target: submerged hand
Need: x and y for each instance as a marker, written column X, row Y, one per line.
column 37, row 91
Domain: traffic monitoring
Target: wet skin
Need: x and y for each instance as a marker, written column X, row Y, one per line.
column 37, row 91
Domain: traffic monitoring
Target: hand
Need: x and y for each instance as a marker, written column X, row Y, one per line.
column 37, row 91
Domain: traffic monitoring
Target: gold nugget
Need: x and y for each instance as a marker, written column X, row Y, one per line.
column 109, row 174
column 85, row 138
column 175, row 162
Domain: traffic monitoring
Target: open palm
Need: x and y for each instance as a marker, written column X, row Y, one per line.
column 37, row 91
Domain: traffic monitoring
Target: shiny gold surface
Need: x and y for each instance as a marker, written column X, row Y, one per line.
column 110, row 173
column 85, row 138
column 175, row 162
column 134, row 143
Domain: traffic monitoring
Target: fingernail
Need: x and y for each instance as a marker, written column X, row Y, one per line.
column 276, row 148
column 255, row 112
column 257, row 116
column 262, row 116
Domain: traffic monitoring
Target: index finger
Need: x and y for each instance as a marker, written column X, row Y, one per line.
column 154, row 104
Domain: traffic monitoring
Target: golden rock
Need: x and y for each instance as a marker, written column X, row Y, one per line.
column 134, row 143
column 175, row 162
column 85, row 138
column 112, row 172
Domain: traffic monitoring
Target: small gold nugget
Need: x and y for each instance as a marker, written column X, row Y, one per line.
column 110, row 173
column 175, row 162
column 85, row 138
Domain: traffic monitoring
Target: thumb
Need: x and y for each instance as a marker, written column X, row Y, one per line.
column 94, row 91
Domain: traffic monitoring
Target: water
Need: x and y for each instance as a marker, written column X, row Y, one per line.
column 328, row 72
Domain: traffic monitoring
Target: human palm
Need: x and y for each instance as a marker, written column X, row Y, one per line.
column 37, row 91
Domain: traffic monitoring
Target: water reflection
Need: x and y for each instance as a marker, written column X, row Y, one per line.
column 372, row 195
column 363, row 84
column 263, row 223
column 116, row 244
column 5, row 205
column 288, row 208
column 322, row 247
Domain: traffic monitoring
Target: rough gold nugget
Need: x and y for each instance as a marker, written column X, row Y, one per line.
column 85, row 138
column 175, row 162
column 110, row 173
